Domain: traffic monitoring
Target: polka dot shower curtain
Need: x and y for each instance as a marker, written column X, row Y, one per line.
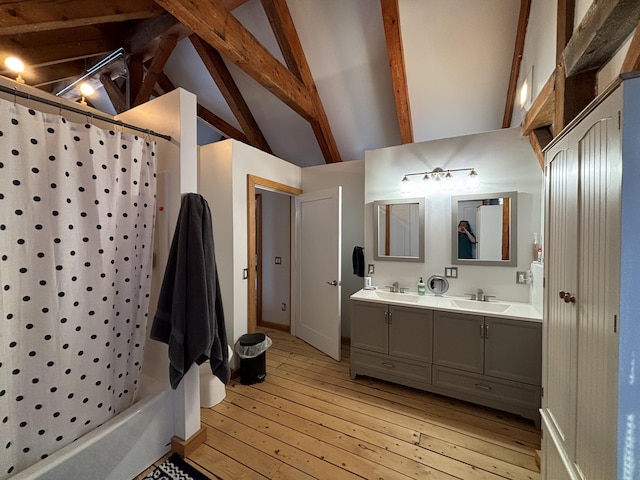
column 77, row 210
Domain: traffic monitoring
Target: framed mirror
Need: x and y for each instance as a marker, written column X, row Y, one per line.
column 484, row 229
column 398, row 230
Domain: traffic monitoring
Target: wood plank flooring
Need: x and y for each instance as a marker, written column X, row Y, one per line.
column 308, row 420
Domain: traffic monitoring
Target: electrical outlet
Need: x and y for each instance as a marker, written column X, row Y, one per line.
column 523, row 277
column 370, row 269
column 245, row 273
column 284, row 307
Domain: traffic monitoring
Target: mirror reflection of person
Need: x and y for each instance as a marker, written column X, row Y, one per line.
column 466, row 239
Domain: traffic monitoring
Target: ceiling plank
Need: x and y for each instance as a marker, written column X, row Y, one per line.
column 167, row 45
column 604, row 28
column 114, row 93
column 523, row 21
column 285, row 32
column 632, row 59
column 136, row 75
column 220, row 73
column 232, row 4
column 541, row 113
column 144, row 31
column 223, row 127
column 395, row 51
column 44, row 15
column 214, row 24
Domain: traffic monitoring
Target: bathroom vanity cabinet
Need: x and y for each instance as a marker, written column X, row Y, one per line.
column 490, row 361
column 392, row 343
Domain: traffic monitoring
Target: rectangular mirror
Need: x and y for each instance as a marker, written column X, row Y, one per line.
column 484, row 229
column 399, row 230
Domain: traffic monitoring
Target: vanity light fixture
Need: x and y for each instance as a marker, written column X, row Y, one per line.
column 16, row 66
column 437, row 179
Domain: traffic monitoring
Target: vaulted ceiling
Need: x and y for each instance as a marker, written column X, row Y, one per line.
column 311, row 81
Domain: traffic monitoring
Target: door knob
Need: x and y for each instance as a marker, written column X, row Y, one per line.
column 333, row 282
column 568, row 298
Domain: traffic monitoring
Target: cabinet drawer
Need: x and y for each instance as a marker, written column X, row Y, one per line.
column 393, row 369
column 473, row 385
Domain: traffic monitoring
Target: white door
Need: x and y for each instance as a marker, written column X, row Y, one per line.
column 318, row 233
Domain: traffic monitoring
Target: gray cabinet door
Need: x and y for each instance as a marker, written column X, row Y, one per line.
column 458, row 341
column 410, row 333
column 513, row 350
column 369, row 329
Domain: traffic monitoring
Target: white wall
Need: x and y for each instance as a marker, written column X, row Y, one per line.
column 276, row 242
column 223, row 168
column 349, row 175
column 504, row 161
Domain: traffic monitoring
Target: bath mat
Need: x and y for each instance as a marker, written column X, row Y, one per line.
column 175, row 468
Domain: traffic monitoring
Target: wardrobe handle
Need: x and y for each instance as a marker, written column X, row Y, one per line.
column 482, row 387
column 568, row 298
column 388, row 365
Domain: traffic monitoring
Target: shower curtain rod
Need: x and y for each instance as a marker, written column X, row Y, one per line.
column 17, row 93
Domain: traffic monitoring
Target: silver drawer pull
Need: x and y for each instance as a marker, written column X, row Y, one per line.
column 388, row 365
column 483, row 387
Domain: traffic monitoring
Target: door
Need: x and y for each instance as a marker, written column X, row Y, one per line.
column 318, row 253
column 559, row 328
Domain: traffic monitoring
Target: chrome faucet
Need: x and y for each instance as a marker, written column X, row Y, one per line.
column 480, row 295
column 396, row 287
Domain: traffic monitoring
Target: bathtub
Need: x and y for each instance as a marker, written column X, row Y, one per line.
column 119, row 449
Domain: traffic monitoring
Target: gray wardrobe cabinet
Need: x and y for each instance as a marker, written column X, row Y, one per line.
column 490, row 361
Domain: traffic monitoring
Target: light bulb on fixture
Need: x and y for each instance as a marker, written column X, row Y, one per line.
column 405, row 185
column 472, row 181
column 447, row 182
column 86, row 90
column 15, row 65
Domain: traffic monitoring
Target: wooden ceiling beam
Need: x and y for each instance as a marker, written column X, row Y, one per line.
column 523, row 21
column 136, row 75
column 114, row 93
column 44, row 15
column 541, row 113
column 540, row 138
column 167, row 45
column 632, row 59
column 218, row 70
column 604, row 28
column 285, row 32
column 395, row 52
column 220, row 125
column 215, row 25
column 145, row 31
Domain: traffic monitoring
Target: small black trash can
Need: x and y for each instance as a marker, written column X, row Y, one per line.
column 252, row 350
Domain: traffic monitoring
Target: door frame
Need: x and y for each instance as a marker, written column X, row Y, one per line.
column 254, row 181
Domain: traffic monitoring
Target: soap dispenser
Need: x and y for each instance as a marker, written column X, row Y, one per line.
column 421, row 287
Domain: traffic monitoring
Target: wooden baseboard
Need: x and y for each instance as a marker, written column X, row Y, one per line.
column 345, row 341
column 184, row 448
column 275, row 326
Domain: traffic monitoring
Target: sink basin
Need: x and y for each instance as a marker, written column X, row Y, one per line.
column 483, row 306
column 397, row 297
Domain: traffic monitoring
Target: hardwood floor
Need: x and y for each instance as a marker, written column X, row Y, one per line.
column 310, row 420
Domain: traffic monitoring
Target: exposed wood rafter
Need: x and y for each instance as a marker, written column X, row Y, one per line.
column 632, row 60
column 167, row 45
column 114, row 93
column 214, row 24
column 523, row 21
column 41, row 15
column 395, row 51
column 289, row 42
column 216, row 67
column 540, row 138
column 206, row 115
column 605, row 26
column 541, row 113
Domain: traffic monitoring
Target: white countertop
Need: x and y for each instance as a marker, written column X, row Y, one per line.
column 515, row 310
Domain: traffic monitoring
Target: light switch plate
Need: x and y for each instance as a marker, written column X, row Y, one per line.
column 451, row 272
column 278, row 260
column 245, row 273
column 370, row 269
